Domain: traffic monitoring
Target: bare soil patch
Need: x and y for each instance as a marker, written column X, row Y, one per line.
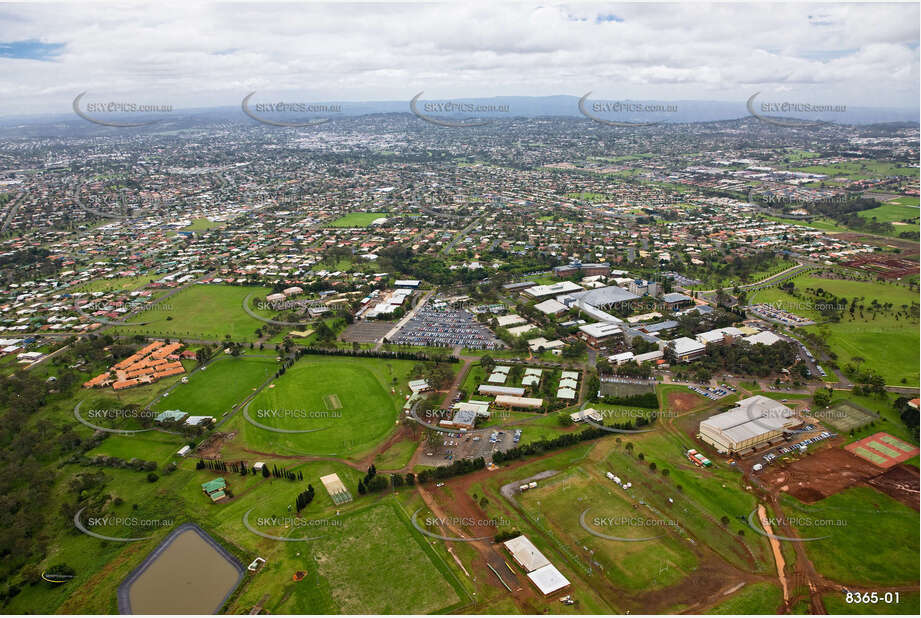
column 820, row 475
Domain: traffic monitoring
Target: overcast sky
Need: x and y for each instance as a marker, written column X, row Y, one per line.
column 213, row 54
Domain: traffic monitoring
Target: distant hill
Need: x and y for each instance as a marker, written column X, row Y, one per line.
column 688, row 111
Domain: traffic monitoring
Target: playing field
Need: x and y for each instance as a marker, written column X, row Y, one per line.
column 619, row 389
column 845, row 416
column 200, row 312
column 637, row 565
column 225, row 382
column 706, row 495
column 347, row 401
column 357, row 219
column 893, row 212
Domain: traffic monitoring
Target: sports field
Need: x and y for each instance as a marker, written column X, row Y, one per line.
column 844, row 416
column 894, row 212
column 357, row 219
column 225, row 382
column 636, row 565
column 200, row 312
column 883, row 449
column 347, row 402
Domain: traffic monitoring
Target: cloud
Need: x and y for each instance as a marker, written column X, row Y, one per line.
column 213, row 54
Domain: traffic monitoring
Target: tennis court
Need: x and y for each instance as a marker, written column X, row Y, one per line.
column 882, row 449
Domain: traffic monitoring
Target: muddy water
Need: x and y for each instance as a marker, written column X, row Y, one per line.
column 189, row 576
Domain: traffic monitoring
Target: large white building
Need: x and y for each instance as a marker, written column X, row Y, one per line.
column 753, row 422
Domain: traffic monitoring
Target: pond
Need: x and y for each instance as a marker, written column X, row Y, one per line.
column 188, row 573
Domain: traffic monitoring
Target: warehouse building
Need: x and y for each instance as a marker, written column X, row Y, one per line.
column 755, row 421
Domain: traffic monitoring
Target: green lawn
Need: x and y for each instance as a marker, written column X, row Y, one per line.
column 149, row 446
column 225, row 382
column 760, row 598
column 887, row 345
column 706, row 495
column 202, row 224
column 356, row 219
column 856, row 170
column 397, row 456
column 867, row 540
column 302, row 397
column 116, row 284
column 201, row 312
column 640, row 565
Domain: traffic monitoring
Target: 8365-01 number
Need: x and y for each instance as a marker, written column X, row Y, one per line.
column 870, row 598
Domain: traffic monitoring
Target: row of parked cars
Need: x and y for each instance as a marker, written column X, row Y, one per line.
column 799, row 446
column 710, row 392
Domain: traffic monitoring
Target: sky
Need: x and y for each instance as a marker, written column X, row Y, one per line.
column 210, row 54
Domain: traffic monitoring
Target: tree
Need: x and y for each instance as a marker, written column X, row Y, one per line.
column 821, row 398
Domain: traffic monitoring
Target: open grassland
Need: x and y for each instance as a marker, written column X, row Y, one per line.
column 856, row 170
column 894, row 213
column 887, row 344
column 301, row 400
column 155, row 446
column 210, row 312
column 357, row 219
column 116, row 284
column 760, row 598
column 397, row 456
column 370, row 530
column 870, row 537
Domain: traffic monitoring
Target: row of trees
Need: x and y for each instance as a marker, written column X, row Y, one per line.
column 240, row 467
column 304, row 498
